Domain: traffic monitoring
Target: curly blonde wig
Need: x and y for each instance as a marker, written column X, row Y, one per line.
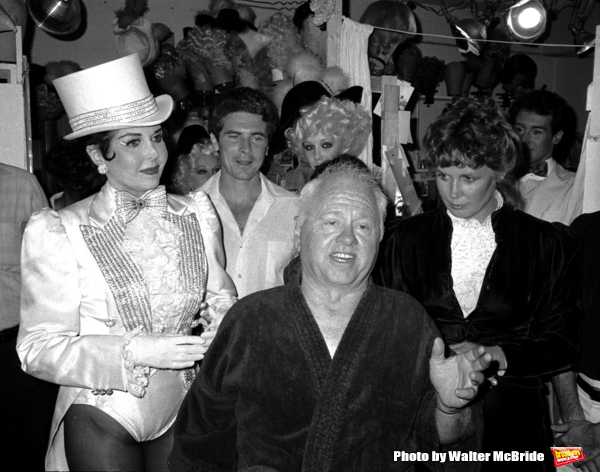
column 339, row 119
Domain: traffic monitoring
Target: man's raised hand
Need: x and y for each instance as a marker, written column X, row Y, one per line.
column 457, row 378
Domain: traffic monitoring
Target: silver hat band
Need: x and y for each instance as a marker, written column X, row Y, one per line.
column 127, row 113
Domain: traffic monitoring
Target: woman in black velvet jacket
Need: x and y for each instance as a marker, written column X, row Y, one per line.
column 492, row 275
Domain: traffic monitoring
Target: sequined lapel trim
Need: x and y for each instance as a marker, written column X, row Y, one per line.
column 193, row 267
column 125, row 278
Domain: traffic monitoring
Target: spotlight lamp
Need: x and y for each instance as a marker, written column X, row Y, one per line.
column 470, row 35
column 58, row 17
column 526, row 20
column 582, row 39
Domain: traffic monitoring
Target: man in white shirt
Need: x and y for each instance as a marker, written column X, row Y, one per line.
column 550, row 192
column 554, row 194
column 257, row 216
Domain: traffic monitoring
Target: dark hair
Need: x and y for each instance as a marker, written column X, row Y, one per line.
column 301, row 14
column 542, row 102
column 391, row 14
column 69, row 163
column 243, row 100
column 474, row 133
column 562, row 118
column 190, row 135
column 101, row 139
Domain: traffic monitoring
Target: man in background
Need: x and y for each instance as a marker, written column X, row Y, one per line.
column 257, row 215
column 549, row 190
column 27, row 403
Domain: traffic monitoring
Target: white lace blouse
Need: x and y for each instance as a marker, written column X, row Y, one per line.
column 473, row 244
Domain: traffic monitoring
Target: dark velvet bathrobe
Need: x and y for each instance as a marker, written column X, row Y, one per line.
column 527, row 306
column 268, row 392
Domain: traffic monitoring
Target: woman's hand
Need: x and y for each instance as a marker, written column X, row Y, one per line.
column 168, row 351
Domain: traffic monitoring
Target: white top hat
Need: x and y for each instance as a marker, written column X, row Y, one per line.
column 113, row 95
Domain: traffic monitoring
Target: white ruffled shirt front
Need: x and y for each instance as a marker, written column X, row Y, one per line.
column 472, row 245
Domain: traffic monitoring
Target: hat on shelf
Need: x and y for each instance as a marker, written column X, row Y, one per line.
column 113, row 95
column 191, row 135
column 302, row 95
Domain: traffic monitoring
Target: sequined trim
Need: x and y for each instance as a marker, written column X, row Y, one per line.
column 189, row 375
column 126, row 113
column 122, row 275
column 193, row 267
column 126, row 281
column 129, row 206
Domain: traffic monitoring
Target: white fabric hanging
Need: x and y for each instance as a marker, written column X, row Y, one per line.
column 354, row 43
column 589, row 162
column 588, row 171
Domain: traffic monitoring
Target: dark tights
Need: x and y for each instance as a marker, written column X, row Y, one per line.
column 96, row 441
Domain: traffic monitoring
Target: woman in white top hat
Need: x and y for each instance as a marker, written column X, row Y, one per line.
column 112, row 285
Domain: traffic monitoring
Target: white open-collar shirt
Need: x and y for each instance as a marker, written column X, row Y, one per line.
column 255, row 259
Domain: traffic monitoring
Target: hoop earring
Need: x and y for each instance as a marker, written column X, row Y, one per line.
column 102, row 169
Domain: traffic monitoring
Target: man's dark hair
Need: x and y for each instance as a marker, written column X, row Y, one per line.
column 562, row 117
column 544, row 103
column 243, row 100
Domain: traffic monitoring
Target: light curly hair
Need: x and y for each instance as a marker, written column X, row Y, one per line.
column 338, row 119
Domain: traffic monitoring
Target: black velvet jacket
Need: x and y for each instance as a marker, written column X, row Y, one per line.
column 528, row 301
column 269, row 393
column 588, row 225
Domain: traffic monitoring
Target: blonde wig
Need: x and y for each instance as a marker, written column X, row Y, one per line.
column 338, row 119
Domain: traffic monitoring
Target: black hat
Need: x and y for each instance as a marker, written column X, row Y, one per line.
column 227, row 19
column 190, row 135
column 300, row 96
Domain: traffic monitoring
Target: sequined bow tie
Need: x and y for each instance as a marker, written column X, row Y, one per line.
column 129, row 206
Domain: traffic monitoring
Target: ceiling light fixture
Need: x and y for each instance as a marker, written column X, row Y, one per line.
column 59, row 17
column 470, row 35
column 526, row 20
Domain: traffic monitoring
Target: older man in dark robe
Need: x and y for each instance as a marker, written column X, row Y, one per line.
column 330, row 372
